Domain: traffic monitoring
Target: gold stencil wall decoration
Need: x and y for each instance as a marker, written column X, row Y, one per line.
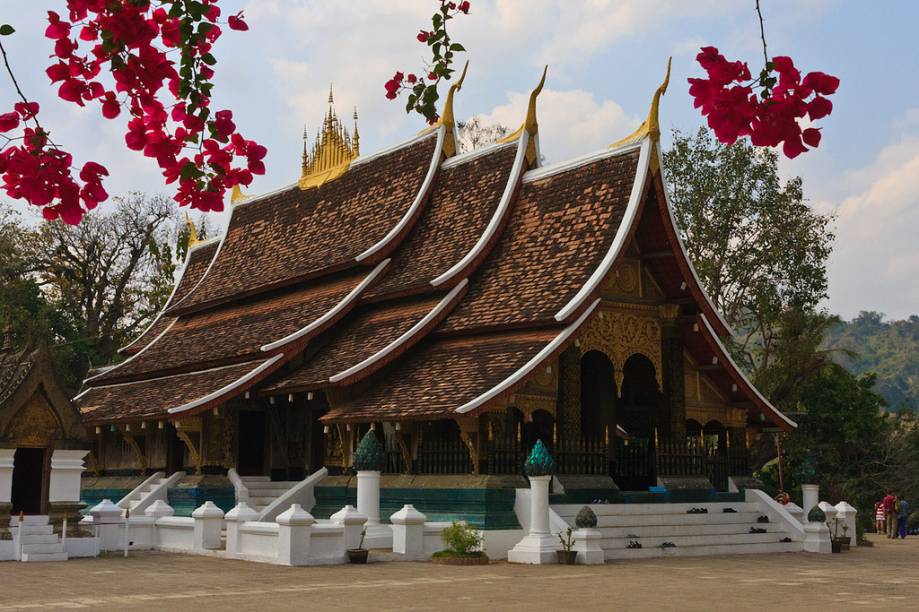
column 620, row 335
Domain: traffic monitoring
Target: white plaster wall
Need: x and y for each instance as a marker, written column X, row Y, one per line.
column 82, row 547
column 258, row 541
column 7, row 550
column 327, row 544
column 496, row 543
column 175, row 533
column 432, row 538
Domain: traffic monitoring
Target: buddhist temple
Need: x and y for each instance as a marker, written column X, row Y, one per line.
column 460, row 305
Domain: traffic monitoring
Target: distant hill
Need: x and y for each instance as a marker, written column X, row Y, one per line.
column 890, row 349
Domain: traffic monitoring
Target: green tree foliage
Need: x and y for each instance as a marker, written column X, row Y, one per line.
column 868, row 343
column 760, row 251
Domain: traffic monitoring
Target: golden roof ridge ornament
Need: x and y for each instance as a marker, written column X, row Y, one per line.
column 650, row 127
column 530, row 124
column 332, row 153
column 192, row 232
column 447, row 118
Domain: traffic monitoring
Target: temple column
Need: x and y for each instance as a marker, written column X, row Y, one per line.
column 569, row 394
column 6, row 490
column 674, row 404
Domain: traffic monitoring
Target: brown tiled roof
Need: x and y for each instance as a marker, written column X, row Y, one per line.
column 361, row 336
column 235, row 331
column 462, row 202
column 292, row 235
column 561, row 228
column 153, row 398
column 441, row 375
column 198, row 261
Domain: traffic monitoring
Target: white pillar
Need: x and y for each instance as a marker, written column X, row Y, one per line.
column 408, row 532
column 817, row 538
column 810, row 495
column 6, row 474
column 368, row 495
column 846, row 513
column 829, row 510
column 538, row 546
column 156, row 511
column 208, row 523
column 353, row 522
column 587, row 543
column 294, row 530
column 235, row 518
column 66, row 468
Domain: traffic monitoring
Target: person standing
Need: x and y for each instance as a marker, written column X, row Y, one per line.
column 889, row 516
column 879, row 517
column 902, row 517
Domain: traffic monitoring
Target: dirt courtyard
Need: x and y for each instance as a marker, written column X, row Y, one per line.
column 885, row 576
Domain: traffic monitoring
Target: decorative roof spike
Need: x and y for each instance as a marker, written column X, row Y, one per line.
column 305, row 157
column 192, row 232
column 357, row 137
column 332, row 151
column 447, row 118
column 530, row 124
column 650, row 127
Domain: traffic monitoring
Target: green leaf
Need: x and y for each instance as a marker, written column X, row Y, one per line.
column 457, row 47
column 6, row 29
column 437, row 20
column 208, row 59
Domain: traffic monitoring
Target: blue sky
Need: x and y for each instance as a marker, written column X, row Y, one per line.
column 605, row 58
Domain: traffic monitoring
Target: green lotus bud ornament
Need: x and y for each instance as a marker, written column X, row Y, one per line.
column 586, row 518
column 540, row 462
column 816, row 515
column 369, row 455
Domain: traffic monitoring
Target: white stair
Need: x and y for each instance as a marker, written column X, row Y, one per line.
column 39, row 542
column 155, row 487
column 133, row 503
column 652, row 525
column 263, row 491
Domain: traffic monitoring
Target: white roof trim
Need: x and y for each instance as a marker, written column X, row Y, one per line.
column 344, row 303
column 517, row 376
column 631, row 212
column 376, row 357
column 227, row 388
column 407, row 217
column 172, row 293
column 692, row 269
column 743, row 376
column 468, row 156
column 577, row 162
column 223, row 241
column 132, row 357
column 495, row 221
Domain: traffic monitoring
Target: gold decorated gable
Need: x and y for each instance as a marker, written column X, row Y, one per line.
column 623, row 330
column 333, row 151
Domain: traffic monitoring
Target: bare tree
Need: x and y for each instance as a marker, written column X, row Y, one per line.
column 475, row 134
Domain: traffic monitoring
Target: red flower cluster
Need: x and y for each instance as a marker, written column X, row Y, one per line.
column 149, row 45
column 734, row 110
column 40, row 173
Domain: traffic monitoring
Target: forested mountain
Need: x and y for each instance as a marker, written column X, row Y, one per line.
column 890, row 349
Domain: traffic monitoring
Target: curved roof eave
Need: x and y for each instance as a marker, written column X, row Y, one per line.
column 741, row 379
column 236, row 386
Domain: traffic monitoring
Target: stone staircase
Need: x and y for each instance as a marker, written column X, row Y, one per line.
column 39, row 542
column 153, row 488
column 658, row 526
column 263, row 491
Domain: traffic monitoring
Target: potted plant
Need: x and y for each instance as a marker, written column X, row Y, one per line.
column 359, row 554
column 566, row 556
column 463, row 546
column 839, row 542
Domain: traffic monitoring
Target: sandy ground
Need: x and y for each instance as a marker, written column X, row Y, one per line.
column 885, row 576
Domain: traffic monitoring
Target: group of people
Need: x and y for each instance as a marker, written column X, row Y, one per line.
column 890, row 515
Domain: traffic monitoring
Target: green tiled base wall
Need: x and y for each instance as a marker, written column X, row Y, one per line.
column 484, row 508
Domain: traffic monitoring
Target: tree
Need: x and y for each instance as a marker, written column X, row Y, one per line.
column 760, row 251
column 110, row 274
column 475, row 134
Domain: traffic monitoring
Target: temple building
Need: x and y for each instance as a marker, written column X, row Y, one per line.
column 460, row 305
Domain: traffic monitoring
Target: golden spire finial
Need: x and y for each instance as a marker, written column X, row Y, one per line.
column 530, row 124
column 332, row 151
column 192, row 232
column 650, row 127
column 356, row 141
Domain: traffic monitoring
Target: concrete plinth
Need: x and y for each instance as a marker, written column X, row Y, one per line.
column 587, row 544
column 240, row 514
column 294, row 536
column 353, row 522
column 408, row 532
column 538, row 546
column 817, row 538
column 208, row 523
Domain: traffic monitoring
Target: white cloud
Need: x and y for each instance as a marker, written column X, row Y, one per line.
column 571, row 122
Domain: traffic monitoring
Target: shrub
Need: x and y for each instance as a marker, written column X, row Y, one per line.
column 461, row 538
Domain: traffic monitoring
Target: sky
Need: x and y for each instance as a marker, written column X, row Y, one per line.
column 605, row 59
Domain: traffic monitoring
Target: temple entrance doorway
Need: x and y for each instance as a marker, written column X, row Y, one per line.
column 598, row 396
column 251, row 459
column 638, row 415
column 29, row 491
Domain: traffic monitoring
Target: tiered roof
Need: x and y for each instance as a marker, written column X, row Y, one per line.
column 442, row 280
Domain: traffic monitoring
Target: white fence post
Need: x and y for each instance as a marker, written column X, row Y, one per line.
column 235, row 518
column 587, row 544
column 208, row 522
column 408, row 532
column 294, row 530
column 156, row 511
column 353, row 522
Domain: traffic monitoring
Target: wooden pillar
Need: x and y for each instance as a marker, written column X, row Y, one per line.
column 673, row 420
column 569, row 394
